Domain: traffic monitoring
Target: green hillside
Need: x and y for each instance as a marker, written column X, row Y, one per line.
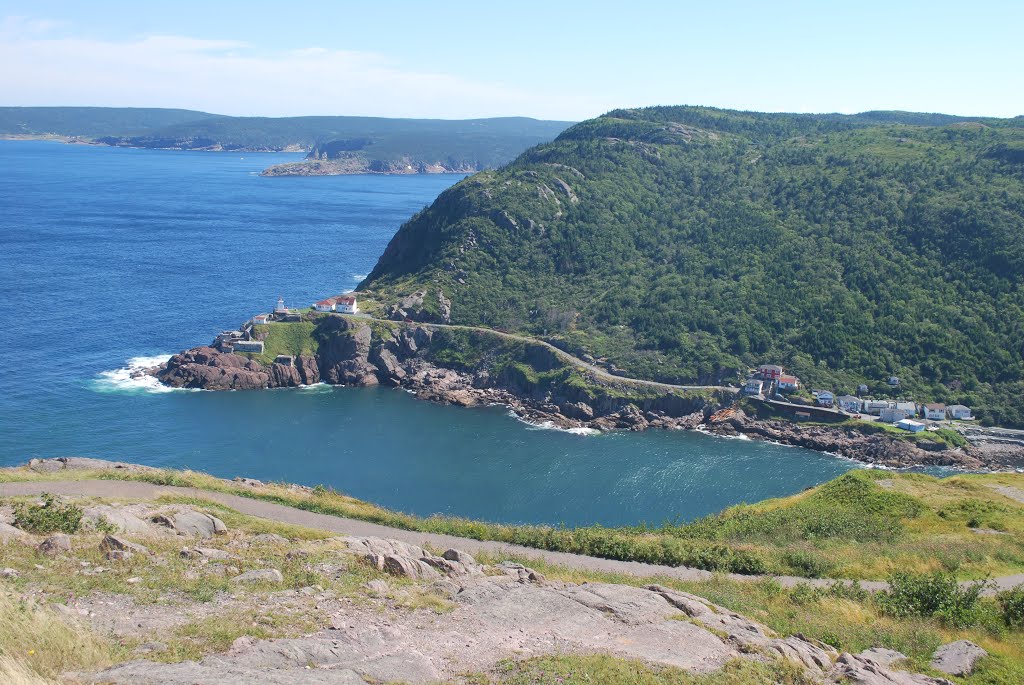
column 367, row 143
column 687, row 244
column 91, row 122
column 494, row 140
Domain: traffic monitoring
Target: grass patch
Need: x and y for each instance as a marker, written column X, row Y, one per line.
column 863, row 525
column 37, row 644
column 608, row 670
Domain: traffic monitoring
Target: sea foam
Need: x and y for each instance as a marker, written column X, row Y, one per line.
column 132, row 378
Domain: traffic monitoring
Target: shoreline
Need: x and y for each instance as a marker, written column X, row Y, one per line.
column 400, row 362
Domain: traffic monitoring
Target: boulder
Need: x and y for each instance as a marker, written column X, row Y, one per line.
column 882, row 656
column 192, row 523
column 522, row 573
column 9, row 573
column 957, row 658
column 112, row 543
column 860, row 670
column 9, row 532
column 124, row 521
column 55, row 544
column 264, row 575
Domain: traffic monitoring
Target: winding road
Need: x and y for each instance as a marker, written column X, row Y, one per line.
column 560, row 353
column 345, row 526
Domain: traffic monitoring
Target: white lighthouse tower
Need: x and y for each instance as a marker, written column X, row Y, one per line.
column 280, row 308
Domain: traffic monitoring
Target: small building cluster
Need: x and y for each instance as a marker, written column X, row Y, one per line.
column 772, row 379
column 343, row 304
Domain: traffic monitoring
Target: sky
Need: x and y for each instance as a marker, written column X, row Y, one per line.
column 550, row 60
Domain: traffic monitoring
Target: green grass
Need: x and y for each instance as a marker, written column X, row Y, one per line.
column 864, row 525
column 293, row 338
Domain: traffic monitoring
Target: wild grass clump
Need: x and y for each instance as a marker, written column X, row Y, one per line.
column 935, row 595
column 49, row 517
column 37, row 642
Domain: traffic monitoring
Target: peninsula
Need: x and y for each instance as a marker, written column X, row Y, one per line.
column 638, row 271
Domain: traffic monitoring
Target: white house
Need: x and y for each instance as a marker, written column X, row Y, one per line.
column 935, row 411
column 875, row 407
column 346, row 304
column 959, row 412
column 894, row 415
column 753, row 387
column 261, row 319
column 848, row 403
column 826, row 399
column 324, row 306
column 788, row 383
column 909, row 407
column 894, row 382
column 912, row 426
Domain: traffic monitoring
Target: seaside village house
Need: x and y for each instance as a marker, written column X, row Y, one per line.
column 788, row 383
column 935, row 411
column 346, row 304
column 910, row 425
column 343, row 304
column 769, row 372
column 875, row 407
column 849, row 403
column 754, row 386
column 261, row 319
column 959, row 412
column 894, row 414
column 825, row 398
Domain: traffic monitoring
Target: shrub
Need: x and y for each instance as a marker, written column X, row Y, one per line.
column 935, row 595
column 807, row 563
column 1011, row 607
column 49, row 517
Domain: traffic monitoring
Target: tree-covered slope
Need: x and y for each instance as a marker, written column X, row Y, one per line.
column 688, row 243
column 92, row 122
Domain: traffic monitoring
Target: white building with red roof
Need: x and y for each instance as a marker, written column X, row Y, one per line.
column 324, row 305
column 346, row 304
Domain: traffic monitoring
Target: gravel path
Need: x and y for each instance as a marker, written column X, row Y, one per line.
column 347, row 526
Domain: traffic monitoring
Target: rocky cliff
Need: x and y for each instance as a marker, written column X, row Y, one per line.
column 444, row 365
column 468, row 368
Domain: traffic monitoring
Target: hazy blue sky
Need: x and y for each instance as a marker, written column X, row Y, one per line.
column 556, row 60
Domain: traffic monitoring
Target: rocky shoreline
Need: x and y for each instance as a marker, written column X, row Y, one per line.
column 349, row 354
column 360, row 165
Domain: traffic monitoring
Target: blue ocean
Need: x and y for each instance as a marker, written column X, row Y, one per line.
column 113, row 259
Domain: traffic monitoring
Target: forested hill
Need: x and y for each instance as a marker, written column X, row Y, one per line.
column 469, row 143
column 92, row 122
column 686, row 244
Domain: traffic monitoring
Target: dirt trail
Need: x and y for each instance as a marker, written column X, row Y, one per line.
column 347, row 526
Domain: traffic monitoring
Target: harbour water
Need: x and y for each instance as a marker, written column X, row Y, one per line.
column 112, row 259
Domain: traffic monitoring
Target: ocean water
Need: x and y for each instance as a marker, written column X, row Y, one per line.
column 111, row 258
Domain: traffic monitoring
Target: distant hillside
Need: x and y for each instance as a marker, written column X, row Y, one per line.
column 337, row 145
column 91, row 122
column 686, row 244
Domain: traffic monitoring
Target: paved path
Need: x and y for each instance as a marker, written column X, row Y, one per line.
column 347, row 526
